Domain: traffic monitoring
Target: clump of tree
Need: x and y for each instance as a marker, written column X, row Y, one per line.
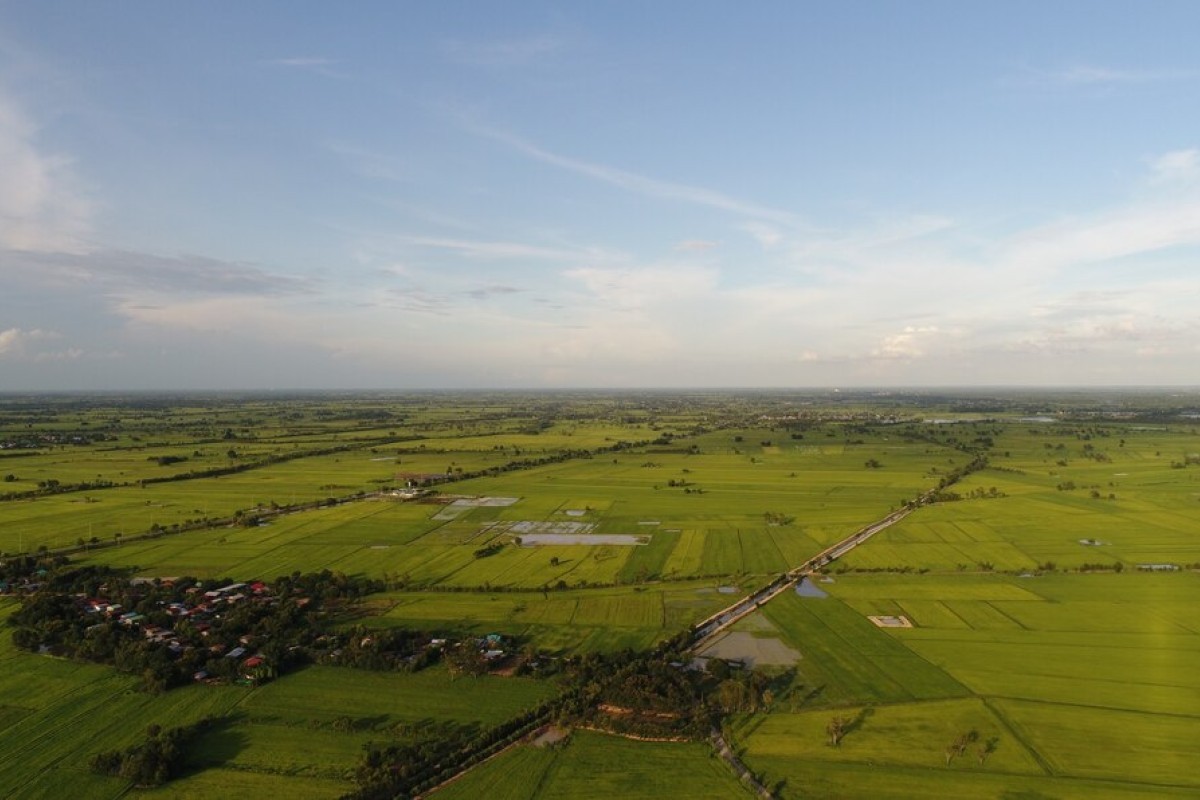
column 379, row 649
column 166, row 461
column 959, row 746
column 153, row 762
column 489, row 550
column 466, row 658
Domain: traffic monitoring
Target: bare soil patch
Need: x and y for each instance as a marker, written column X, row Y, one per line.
column 753, row 651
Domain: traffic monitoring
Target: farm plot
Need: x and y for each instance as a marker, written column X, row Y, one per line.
column 849, row 659
column 75, row 710
column 598, row 765
column 1154, row 749
column 687, row 556
column 381, row 700
column 1104, row 640
column 908, row 734
column 602, row 619
column 238, row 782
column 816, row 778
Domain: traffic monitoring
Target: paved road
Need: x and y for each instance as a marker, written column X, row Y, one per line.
column 747, row 605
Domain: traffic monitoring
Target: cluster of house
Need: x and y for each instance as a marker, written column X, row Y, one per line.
column 492, row 646
column 201, row 610
column 35, row 441
column 23, row 585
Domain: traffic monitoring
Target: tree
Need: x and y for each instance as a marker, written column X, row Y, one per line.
column 959, row 746
column 837, row 730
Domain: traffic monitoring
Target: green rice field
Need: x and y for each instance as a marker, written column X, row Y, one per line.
column 1051, row 594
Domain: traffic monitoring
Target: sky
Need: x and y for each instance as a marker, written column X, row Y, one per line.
column 405, row 195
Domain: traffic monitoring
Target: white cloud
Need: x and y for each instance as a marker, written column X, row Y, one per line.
column 41, row 204
column 911, row 342
column 1129, row 231
column 766, row 235
column 1175, row 166
column 21, row 345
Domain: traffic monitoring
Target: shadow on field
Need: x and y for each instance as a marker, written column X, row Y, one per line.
column 220, row 744
column 860, row 719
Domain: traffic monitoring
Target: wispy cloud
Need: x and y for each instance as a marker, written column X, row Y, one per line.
column 486, row 292
column 696, row 245
column 1093, row 75
column 504, row 250
column 641, row 184
column 319, row 65
column 372, row 164
column 302, row 62
column 120, row 272
column 502, row 52
column 1176, row 166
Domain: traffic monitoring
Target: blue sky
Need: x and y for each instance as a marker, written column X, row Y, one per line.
column 443, row 195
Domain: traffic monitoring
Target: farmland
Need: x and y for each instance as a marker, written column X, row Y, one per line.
column 1028, row 583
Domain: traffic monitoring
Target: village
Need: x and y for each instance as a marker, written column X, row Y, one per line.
column 175, row 630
